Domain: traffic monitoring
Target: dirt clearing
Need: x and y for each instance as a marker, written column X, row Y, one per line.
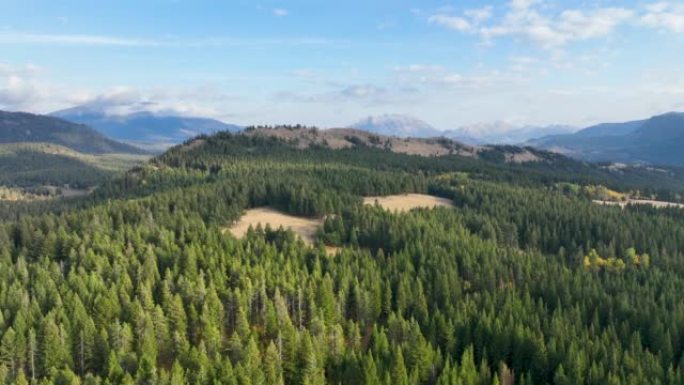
column 304, row 227
column 406, row 202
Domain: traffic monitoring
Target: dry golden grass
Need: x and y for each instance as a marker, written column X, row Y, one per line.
column 338, row 138
column 656, row 204
column 304, row 227
column 406, row 202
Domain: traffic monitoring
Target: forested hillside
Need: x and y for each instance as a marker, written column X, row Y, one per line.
column 45, row 155
column 35, row 165
column 21, row 127
column 654, row 141
column 523, row 281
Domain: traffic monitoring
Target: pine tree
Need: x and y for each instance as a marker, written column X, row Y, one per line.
column 272, row 369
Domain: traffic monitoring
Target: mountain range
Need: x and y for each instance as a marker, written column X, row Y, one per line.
column 654, row 141
column 658, row 140
column 21, row 127
column 478, row 134
column 504, row 133
column 144, row 129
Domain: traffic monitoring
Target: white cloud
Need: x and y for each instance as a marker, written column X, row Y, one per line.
column 192, row 101
column 480, row 14
column 420, row 68
column 26, row 38
column 27, row 69
column 470, row 20
column 529, row 20
column 664, row 15
column 24, row 88
column 8, row 37
column 578, row 25
column 280, row 12
column 350, row 93
column 362, row 91
column 452, row 22
column 432, row 77
column 27, row 92
column 17, row 92
column 525, row 22
column 523, row 4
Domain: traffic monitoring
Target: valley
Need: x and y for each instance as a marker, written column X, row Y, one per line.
column 46, row 158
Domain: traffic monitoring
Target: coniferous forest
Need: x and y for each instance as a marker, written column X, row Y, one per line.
column 521, row 282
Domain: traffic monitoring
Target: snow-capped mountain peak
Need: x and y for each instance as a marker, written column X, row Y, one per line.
column 397, row 125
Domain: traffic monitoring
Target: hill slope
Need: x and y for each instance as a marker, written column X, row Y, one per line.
column 657, row 140
column 338, row 138
column 145, row 129
column 507, row 162
column 18, row 127
column 35, row 165
column 514, row 277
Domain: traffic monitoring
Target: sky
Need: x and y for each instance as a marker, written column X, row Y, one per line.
column 331, row 63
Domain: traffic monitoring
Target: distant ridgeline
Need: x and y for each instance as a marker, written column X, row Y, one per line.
column 654, row 141
column 523, row 281
column 38, row 151
column 21, row 127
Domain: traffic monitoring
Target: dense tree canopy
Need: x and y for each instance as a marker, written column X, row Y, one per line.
column 519, row 283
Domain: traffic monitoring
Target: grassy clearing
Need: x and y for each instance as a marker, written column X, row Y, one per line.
column 306, row 228
column 656, row 204
column 406, row 202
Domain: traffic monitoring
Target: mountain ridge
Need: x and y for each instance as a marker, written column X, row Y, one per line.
column 143, row 128
column 18, row 127
column 657, row 140
column 497, row 132
column 397, row 125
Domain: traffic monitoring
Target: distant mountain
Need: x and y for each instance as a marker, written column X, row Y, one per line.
column 503, row 133
column 476, row 134
column 397, row 125
column 658, row 140
column 21, row 127
column 610, row 129
column 145, row 129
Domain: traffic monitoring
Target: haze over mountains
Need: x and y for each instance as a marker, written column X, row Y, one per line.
column 497, row 132
column 504, row 133
column 658, row 140
column 145, row 129
column 397, row 125
column 654, row 141
column 21, row 127
column 44, row 154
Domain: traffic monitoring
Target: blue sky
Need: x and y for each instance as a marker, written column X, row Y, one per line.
column 331, row 63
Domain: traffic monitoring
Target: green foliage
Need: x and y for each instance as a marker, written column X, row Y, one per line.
column 141, row 284
column 19, row 127
column 34, row 165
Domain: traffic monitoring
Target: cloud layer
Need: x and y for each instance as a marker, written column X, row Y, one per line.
column 532, row 20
